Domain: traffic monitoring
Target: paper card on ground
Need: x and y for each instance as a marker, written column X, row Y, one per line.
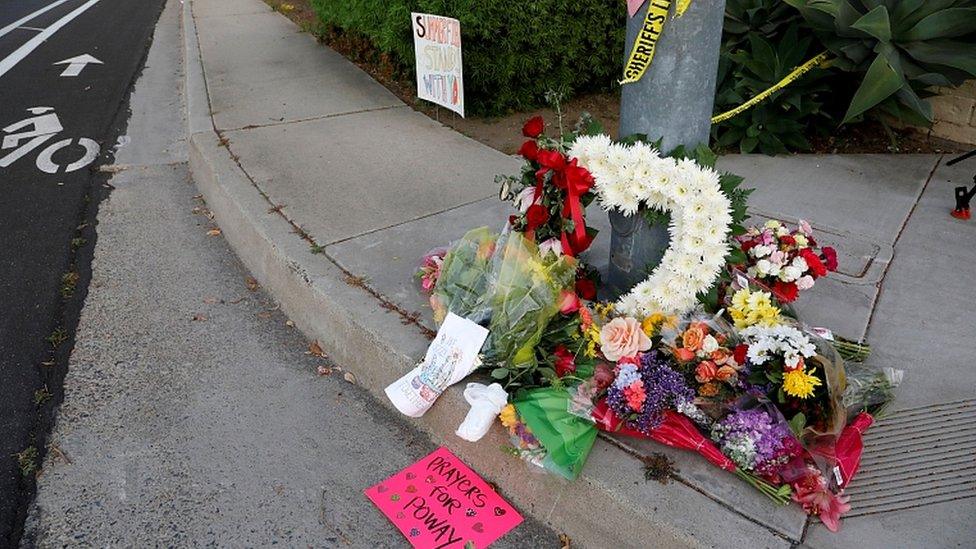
column 450, row 358
column 437, row 45
column 438, row 502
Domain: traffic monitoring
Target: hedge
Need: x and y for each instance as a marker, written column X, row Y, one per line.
column 514, row 51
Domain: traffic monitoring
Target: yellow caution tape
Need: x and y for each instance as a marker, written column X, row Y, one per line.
column 642, row 53
column 681, row 7
column 794, row 75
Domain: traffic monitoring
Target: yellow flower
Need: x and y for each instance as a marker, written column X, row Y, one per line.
column 750, row 308
column 508, row 416
column 592, row 340
column 652, row 324
column 799, row 383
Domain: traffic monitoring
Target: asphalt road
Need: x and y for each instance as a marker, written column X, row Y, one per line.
column 58, row 121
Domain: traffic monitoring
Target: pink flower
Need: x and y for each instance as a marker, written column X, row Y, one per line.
column 568, row 302
column 777, row 258
column 623, row 337
column 816, row 498
column 525, row 199
column 805, row 228
column 804, row 282
column 552, row 245
column 635, row 396
column 430, row 269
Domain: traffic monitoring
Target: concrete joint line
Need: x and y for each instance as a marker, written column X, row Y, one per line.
column 894, row 246
column 312, row 118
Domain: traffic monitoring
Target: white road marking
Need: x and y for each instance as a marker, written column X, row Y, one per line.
column 77, row 64
column 30, row 29
column 20, row 53
column 27, row 18
column 46, row 163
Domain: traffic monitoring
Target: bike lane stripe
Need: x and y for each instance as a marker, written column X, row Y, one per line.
column 27, row 18
column 20, row 53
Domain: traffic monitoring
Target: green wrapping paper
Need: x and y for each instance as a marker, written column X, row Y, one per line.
column 566, row 437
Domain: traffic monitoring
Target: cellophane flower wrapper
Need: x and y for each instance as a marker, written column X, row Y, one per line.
column 820, row 441
column 870, row 388
column 756, row 436
column 523, row 297
column 462, row 287
column 566, row 437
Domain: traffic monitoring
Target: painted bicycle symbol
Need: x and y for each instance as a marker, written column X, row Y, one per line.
column 37, row 130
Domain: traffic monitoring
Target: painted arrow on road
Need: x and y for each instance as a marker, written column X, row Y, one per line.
column 77, row 64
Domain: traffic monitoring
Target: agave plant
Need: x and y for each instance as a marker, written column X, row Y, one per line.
column 902, row 47
column 768, row 18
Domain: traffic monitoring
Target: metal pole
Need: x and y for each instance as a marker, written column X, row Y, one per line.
column 673, row 102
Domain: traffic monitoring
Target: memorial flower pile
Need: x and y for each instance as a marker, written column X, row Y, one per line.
column 706, row 354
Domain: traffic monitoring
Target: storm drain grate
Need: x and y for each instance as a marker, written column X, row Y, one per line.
column 917, row 457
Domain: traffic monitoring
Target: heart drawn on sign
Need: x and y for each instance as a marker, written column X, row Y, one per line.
column 380, row 489
column 478, row 527
column 411, row 476
column 499, row 511
column 411, row 489
column 414, row 532
column 400, row 515
column 430, row 479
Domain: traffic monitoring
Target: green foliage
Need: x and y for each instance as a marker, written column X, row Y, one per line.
column 780, row 123
column 513, row 51
column 898, row 48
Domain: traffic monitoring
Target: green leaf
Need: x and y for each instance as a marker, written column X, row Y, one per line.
column 876, row 23
column 798, row 423
column 951, row 53
column 499, row 373
column 944, row 24
column 879, row 83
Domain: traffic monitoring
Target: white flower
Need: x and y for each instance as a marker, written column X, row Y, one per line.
column 552, row 245
column 789, row 273
column 525, row 199
column 627, row 177
column 800, row 263
column 709, row 344
column 761, row 250
column 763, row 267
column 804, row 282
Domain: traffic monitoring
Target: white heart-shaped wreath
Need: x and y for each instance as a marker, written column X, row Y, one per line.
column 628, row 176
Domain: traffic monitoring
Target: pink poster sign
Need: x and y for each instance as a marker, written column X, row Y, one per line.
column 439, row 502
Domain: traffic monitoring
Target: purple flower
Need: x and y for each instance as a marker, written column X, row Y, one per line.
column 664, row 389
column 754, row 441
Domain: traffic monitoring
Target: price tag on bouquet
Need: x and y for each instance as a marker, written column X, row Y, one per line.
column 450, row 358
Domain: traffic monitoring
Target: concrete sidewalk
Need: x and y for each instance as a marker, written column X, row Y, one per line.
column 329, row 189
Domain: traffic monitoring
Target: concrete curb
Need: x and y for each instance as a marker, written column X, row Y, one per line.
column 606, row 507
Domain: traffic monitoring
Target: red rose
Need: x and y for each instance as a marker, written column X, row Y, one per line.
column 816, row 266
column 529, row 150
column 533, row 127
column 586, row 289
column 565, row 361
column 554, row 160
column 739, row 354
column 569, row 302
column 787, row 240
column 830, row 258
column 535, row 217
column 785, row 291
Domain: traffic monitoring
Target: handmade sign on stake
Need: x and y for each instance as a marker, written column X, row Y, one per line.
column 437, row 45
column 439, row 502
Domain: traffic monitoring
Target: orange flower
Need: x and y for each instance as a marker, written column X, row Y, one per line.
column 684, row 355
column 725, row 373
column 708, row 390
column 722, row 356
column 693, row 336
column 705, row 371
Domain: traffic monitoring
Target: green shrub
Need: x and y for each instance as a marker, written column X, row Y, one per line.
column 514, row 51
column 896, row 49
